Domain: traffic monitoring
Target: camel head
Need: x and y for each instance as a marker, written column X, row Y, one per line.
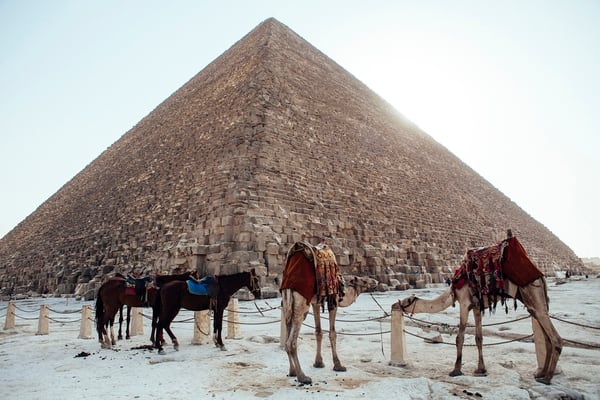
column 360, row 283
column 405, row 304
column 353, row 286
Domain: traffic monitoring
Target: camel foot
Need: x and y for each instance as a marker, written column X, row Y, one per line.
column 127, row 337
column 120, row 337
column 544, row 380
column 319, row 364
column 304, row 380
column 480, row 372
column 455, row 373
column 339, row 368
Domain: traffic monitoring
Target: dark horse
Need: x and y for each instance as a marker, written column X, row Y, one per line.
column 152, row 295
column 112, row 297
column 175, row 295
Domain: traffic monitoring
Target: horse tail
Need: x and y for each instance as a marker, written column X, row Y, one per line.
column 99, row 314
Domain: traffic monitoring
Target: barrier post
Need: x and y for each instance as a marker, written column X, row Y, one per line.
column 85, row 327
column 398, row 340
column 233, row 319
column 9, row 322
column 137, row 321
column 201, row 327
column 43, row 321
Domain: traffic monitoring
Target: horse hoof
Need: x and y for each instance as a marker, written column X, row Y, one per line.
column 480, row 373
column 161, row 352
column 223, row 348
column 319, row 365
column 455, row 373
column 339, row 368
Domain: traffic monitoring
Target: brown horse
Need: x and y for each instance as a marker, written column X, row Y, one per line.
column 175, row 295
column 152, row 295
column 111, row 298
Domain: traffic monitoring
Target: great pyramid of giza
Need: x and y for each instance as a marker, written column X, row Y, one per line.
column 271, row 141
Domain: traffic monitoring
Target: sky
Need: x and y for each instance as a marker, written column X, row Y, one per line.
column 512, row 88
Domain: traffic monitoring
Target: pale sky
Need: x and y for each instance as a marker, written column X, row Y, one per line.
column 511, row 87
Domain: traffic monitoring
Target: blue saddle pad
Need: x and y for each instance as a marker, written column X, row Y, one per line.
column 200, row 288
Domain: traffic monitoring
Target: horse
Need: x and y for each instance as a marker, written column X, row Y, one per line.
column 311, row 277
column 175, row 295
column 152, row 295
column 111, row 298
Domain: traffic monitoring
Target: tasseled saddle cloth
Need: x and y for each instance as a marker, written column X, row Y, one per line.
column 486, row 270
column 312, row 270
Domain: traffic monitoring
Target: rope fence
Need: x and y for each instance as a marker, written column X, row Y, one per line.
column 233, row 322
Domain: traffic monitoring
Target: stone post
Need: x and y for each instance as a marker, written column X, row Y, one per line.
column 9, row 321
column 398, row 340
column 43, row 321
column 201, row 327
column 137, row 321
column 233, row 319
column 85, row 327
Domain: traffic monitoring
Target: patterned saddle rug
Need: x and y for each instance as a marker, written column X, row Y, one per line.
column 313, row 271
column 487, row 269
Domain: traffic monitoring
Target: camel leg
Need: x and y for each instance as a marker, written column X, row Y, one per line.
column 480, row 371
column 460, row 337
column 534, row 298
column 294, row 312
column 318, row 335
column 337, row 365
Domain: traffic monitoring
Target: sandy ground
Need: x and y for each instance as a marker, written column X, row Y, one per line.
column 255, row 366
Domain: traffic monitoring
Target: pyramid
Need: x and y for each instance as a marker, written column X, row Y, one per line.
column 271, row 141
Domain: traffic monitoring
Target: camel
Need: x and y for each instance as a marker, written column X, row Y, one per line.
column 533, row 295
column 296, row 302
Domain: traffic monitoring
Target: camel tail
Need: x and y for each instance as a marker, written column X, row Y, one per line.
column 546, row 294
column 287, row 304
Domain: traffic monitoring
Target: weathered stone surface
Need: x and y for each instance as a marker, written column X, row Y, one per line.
column 271, row 141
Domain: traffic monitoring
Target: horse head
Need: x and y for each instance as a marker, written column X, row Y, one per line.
column 255, row 284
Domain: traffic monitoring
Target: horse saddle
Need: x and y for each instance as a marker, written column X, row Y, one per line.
column 207, row 286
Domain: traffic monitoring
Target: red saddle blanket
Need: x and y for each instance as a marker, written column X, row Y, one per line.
column 312, row 271
column 486, row 269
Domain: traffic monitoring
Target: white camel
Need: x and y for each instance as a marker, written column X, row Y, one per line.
column 295, row 308
column 535, row 298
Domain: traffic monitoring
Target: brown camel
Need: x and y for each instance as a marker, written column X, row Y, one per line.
column 299, row 290
column 533, row 295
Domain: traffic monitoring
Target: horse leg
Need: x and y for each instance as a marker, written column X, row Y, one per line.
column 318, row 335
column 113, row 341
column 120, row 336
column 480, row 371
column 460, row 338
column 128, row 320
column 218, row 326
column 337, row 365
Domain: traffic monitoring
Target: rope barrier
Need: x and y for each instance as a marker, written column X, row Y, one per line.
column 381, row 332
column 575, row 323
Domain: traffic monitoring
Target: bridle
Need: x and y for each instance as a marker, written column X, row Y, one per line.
column 412, row 301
